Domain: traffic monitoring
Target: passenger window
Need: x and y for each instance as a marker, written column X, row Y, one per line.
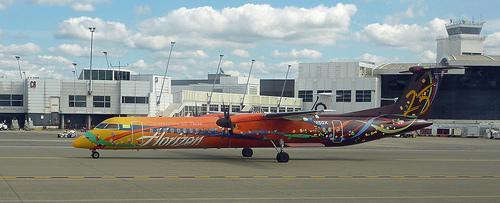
column 125, row 127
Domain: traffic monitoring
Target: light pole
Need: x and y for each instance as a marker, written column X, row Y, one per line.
column 165, row 74
column 215, row 78
column 24, row 73
column 246, row 86
column 19, row 66
column 284, row 83
column 92, row 29
column 107, row 63
column 74, row 71
column 74, row 74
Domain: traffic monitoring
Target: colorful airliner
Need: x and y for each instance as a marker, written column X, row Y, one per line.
column 277, row 130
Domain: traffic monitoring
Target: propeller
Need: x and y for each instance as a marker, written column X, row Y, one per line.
column 225, row 122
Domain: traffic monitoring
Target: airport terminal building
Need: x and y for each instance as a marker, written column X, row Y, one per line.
column 78, row 103
column 468, row 100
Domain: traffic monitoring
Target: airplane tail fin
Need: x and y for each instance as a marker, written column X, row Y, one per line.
column 418, row 96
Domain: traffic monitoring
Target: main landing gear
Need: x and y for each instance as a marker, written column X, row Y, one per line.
column 247, row 152
column 281, row 157
column 95, row 154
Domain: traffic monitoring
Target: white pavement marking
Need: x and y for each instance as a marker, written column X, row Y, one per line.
column 450, row 160
column 32, row 140
column 263, row 198
column 33, row 157
column 43, row 147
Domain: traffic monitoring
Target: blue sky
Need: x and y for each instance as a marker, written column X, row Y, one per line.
column 49, row 35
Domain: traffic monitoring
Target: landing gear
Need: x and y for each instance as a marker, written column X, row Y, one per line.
column 247, row 152
column 95, row 154
column 281, row 157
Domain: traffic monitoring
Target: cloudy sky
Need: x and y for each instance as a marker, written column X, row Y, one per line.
column 50, row 35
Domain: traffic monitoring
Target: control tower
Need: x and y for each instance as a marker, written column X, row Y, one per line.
column 464, row 38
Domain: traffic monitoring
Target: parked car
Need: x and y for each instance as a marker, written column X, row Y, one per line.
column 492, row 133
column 3, row 126
column 67, row 134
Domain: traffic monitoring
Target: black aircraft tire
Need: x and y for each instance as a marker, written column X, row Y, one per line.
column 95, row 155
column 282, row 157
column 247, row 152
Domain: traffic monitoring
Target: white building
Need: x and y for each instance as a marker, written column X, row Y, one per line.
column 340, row 86
column 463, row 39
column 76, row 103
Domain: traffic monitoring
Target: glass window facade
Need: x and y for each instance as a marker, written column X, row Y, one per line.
column 11, row 100
column 135, row 100
column 102, row 101
column 306, row 95
column 363, row 95
column 77, row 101
column 474, row 95
column 343, row 95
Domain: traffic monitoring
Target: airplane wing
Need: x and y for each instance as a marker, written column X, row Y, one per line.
column 299, row 115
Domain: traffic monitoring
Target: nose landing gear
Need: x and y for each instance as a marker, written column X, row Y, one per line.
column 247, row 152
column 281, row 157
column 95, row 154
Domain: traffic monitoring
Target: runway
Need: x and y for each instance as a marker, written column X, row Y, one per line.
column 38, row 167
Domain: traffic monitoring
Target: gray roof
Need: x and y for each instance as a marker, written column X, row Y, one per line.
column 395, row 68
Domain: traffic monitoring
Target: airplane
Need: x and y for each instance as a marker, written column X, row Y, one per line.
column 278, row 130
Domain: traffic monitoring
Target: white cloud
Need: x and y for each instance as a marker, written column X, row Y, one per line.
column 413, row 37
column 78, row 28
column 373, row 58
column 139, row 64
column 304, row 53
column 250, row 23
column 415, row 9
column 76, row 5
column 5, row 3
column 85, row 7
column 427, row 56
column 153, row 42
column 72, row 50
column 142, row 10
column 47, row 59
column 492, row 40
column 190, row 54
column 241, row 53
column 20, row 49
column 9, row 68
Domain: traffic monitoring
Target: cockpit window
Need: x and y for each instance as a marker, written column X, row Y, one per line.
column 101, row 126
column 112, row 126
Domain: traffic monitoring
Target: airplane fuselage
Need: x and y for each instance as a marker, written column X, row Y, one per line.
column 203, row 132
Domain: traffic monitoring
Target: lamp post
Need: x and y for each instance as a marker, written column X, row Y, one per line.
column 165, row 74
column 92, row 29
column 107, row 64
column 74, row 71
column 215, row 78
column 19, row 66
column 284, row 83
column 246, row 86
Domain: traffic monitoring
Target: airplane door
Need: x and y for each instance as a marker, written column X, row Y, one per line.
column 137, row 131
column 337, row 131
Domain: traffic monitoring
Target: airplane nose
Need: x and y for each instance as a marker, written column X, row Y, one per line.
column 83, row 142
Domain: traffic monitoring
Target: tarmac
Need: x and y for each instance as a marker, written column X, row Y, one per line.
column 38, row 167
